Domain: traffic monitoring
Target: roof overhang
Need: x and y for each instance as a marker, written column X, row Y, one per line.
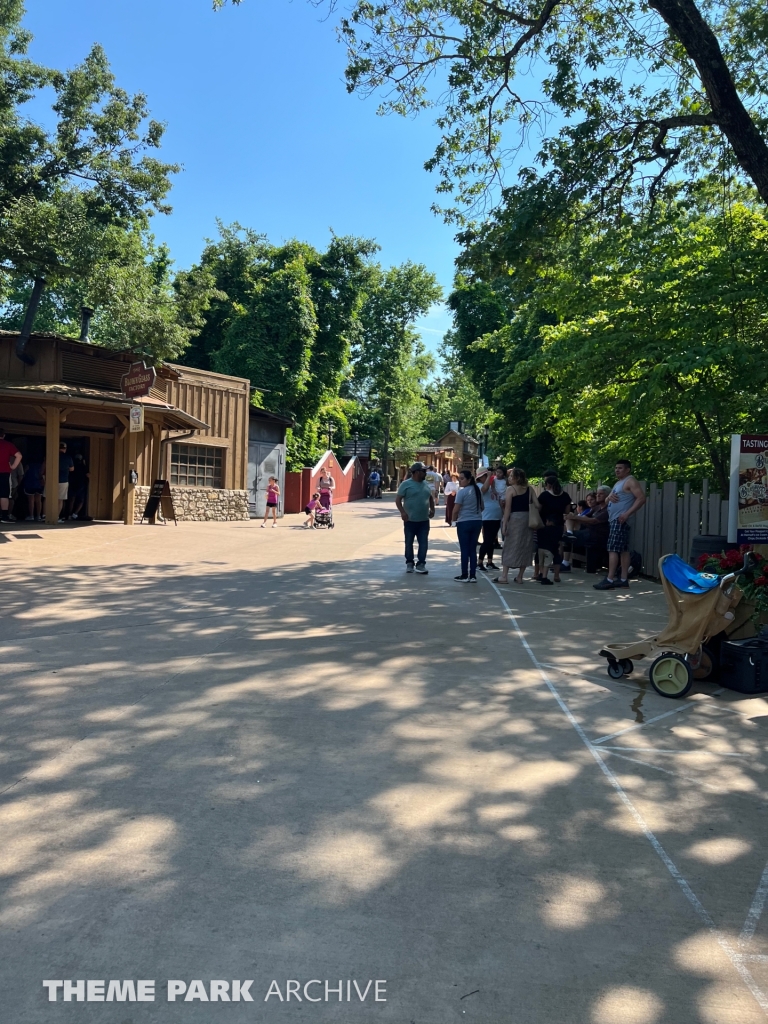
column 94, row 398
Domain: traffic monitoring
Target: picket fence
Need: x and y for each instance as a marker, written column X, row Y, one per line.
column 670, row 519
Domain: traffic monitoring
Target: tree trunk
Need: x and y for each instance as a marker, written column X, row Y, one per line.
column 29, row 321
column 700, row 43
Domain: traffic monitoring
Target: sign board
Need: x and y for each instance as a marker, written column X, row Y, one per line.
column 748, row 511
column 160, row 497
column 361, row 447
column 137, row 382
column 136, row 418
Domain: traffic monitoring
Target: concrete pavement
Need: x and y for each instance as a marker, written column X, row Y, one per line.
column 234, row 753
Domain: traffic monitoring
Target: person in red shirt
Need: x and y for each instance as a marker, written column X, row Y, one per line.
column 10, row 457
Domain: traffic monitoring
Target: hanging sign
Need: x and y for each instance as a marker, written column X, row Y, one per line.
column 748, row 511
column 137, row 382
column 136, row 419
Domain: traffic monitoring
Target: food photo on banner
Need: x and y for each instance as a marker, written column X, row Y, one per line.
column 748, row 515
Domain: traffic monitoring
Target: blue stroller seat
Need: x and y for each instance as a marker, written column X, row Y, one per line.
column 687, row 579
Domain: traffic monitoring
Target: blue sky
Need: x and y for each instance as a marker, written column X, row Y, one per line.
column 258, row 115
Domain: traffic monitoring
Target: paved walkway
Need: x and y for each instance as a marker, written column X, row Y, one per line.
column 234, row 753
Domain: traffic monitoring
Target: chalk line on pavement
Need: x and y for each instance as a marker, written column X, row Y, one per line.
column 736, row 958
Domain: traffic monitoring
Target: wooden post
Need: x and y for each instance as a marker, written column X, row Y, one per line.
column 130, row 489
column 52, row 438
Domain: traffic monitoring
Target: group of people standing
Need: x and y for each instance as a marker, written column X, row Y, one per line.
column 23, row 484
column 533, row 527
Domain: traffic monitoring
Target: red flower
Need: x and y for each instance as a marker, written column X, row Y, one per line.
column 761, row 581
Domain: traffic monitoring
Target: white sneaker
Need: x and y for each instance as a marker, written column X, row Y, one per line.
column 263, row 526
column 29, row 519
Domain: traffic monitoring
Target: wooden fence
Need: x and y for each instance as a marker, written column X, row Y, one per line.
column 670, row 519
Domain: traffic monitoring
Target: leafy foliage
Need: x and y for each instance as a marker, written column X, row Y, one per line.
column 286, row 317
column 390, row 365
column 128, row 281
column 100, row 142
column 616, row 95
column 644, row 340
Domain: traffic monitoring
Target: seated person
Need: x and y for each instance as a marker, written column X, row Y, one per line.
column 311, row 508
column 591, row 530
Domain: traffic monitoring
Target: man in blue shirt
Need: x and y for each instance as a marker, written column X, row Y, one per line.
column 416, row 506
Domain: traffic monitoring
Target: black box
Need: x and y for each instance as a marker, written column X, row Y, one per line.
column 744, row 665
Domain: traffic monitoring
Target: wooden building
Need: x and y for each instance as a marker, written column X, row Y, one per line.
column 466, row 448
column 195, row 423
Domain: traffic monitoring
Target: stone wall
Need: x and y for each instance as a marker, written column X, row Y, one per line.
column 201, row 503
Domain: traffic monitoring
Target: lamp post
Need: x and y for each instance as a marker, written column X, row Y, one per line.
column 330, row 428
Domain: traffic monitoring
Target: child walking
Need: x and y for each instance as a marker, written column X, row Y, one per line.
column 273, row 496
column 310, row 508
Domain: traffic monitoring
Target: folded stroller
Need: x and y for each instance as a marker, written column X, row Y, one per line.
column 701, row 605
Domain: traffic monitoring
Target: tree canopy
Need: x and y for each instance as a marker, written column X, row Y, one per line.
column 614, row 97
column 75, row 199
column 645, row 339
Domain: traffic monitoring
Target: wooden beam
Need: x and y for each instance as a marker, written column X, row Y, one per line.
column 52, row 438
column 129, row 504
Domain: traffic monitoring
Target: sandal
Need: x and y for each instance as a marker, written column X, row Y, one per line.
column 500, row 581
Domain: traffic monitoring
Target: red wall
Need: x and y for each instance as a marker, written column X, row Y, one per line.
column 350, row 485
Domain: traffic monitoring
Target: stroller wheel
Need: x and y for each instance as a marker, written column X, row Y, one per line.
column 671, row 675
column 615, row 671
column 627, row 666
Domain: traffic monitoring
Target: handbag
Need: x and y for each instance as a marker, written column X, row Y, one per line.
column 535, row 521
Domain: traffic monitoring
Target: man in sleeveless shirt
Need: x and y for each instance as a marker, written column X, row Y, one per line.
column 624, row 500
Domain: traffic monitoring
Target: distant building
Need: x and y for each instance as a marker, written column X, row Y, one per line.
column 467, row 448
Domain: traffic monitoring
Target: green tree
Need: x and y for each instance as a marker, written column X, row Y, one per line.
column 100, row 141
column 62, row 189
column 127, row 280
column 286, row 317
column 390, row 366
column 454, row 396
column 650, row 341
column 619, row 93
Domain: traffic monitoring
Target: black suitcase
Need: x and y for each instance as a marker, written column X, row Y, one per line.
column 744, row 665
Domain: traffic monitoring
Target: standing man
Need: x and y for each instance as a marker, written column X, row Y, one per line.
column 624, row 500
column 10, row 457
column 416, row 506
column 79, row 487
column 66, row 466
column 374, row 483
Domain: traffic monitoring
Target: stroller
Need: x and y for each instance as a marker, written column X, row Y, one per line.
column 324, row 514
column 701, row 605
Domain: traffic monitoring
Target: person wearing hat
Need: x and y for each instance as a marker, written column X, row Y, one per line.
column 66, row 466
column 416, row 505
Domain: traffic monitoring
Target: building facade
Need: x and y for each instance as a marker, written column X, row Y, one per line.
column 195, row 431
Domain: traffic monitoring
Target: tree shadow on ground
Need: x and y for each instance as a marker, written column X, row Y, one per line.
column 292, row 773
